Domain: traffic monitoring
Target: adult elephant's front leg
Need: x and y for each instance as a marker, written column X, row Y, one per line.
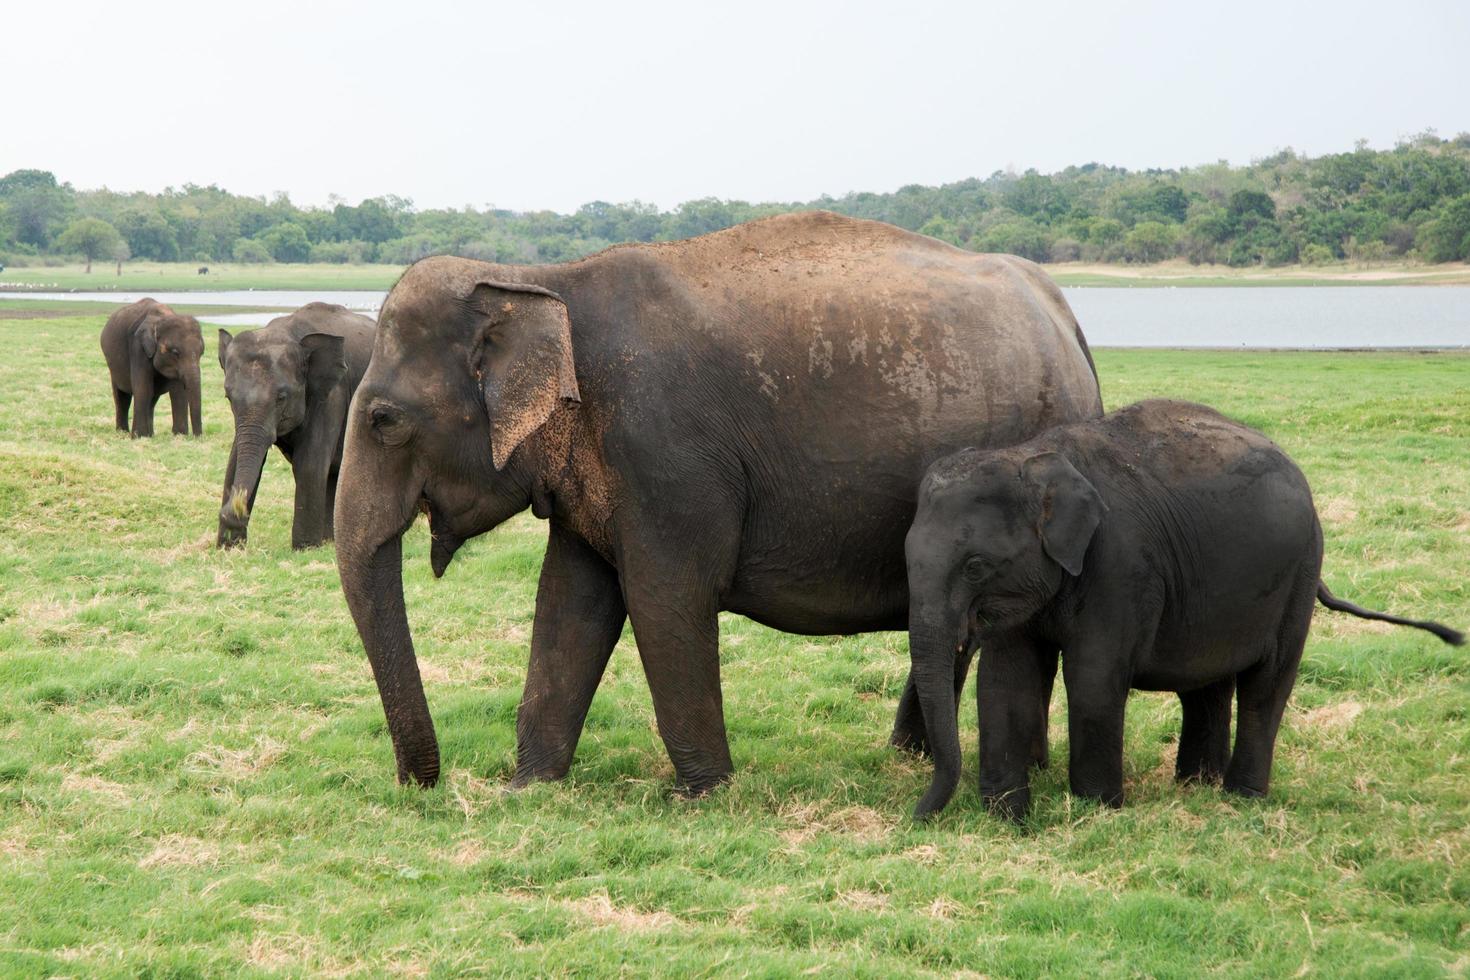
column 579, row 617
column 909, row 732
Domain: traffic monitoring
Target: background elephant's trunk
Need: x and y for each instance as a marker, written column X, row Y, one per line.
column 193, row 389
column 242, row 477
column 372, row 579
column 932, row 649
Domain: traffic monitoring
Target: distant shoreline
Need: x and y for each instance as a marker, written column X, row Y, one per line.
column 184, row 276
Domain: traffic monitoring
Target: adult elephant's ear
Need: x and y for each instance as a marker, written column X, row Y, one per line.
column 1071, row 508
column 224, row 345
column 522, row 360
column 326, row 362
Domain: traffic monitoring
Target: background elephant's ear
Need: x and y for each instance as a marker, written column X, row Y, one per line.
column 224, row 345
column 326, row 362
column 147, row 334
column 522, row 361
column 1071, row 508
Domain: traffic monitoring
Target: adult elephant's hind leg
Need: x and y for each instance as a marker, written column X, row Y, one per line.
column 909, row 732
column 672, row 604
column 1204, row 736
column 908, row 724
column 579, row 617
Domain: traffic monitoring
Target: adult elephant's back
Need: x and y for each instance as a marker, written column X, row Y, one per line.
column 834, row 359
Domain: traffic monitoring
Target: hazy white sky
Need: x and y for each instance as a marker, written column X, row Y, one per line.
column 553, row 104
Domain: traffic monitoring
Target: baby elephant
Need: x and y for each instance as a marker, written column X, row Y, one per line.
column 1163, row 548
column 289, row 383
column 150, row 350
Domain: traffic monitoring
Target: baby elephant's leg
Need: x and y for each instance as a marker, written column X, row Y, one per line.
column 1204, row 738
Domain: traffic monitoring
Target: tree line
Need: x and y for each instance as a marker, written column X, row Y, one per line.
column 1409, row 201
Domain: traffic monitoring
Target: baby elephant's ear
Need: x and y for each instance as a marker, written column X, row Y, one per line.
column 1071, row 508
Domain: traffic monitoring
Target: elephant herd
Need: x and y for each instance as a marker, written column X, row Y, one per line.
column 862, row 428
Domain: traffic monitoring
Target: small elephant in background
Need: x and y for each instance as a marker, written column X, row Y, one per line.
column 290, row 383
column 1162, row 547
column 151, row 350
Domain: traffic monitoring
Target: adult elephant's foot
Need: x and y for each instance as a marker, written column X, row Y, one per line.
column 696, row 787
column 1012, row 804
column 528, row 775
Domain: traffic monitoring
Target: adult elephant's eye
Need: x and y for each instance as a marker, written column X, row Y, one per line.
column 388, row 424
column 977, row 569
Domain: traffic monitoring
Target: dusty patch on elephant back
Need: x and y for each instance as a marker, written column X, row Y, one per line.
column 603, row 913
column 809, row 820
column 1331, row 716
column 1337, row 510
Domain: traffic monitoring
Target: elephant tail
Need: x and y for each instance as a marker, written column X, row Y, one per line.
column 1325, row 596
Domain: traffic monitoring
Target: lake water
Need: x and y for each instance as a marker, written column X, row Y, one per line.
column 1277, row 316
column 1235, row 316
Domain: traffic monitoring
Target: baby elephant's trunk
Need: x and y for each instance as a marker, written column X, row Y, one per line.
column 1450, row 636
column 932, row 648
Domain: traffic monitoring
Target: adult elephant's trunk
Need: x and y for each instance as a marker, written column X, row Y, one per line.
column 242, row 478
column 372, row 580
column 932, row 649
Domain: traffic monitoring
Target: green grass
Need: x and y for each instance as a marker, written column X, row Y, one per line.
column 171, row 276
column 46, row 308
column 195, row 776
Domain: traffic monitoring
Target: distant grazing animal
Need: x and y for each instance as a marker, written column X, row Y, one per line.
column 738, row 421
column 289, row 383
column 203, row 271
column 150, row 350
column 1160, row 548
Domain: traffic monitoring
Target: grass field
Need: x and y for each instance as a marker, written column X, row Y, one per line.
column 171, row 276
column 196, row 779
column 184, row 275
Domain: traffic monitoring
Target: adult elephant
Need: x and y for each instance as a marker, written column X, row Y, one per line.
column 735, row 422
column 290, row 383
column 151, row 350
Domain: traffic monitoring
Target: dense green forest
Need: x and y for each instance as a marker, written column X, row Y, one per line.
column 1411, row 201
